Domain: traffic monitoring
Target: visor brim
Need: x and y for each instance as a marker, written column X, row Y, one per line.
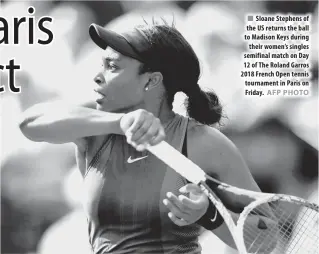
column 104, row 38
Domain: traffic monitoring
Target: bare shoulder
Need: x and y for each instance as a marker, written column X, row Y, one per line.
column 218, row 156
column 211, row 149
column 209, row 137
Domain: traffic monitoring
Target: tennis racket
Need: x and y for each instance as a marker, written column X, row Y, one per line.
column 270, row 223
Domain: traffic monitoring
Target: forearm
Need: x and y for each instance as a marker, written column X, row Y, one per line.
column 61, row 123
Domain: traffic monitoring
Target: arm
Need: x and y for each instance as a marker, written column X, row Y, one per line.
column 221, row 159
column 60, row 122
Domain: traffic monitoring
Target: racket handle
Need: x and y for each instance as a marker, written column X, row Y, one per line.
column 177, row 161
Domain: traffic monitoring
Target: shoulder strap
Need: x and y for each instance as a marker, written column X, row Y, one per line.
column 96, row 158
column 184, row 137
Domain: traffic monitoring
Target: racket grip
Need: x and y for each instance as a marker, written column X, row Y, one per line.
column 174, row 159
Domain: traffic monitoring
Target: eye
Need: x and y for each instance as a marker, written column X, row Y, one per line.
column 109, row 65
column 112, row 67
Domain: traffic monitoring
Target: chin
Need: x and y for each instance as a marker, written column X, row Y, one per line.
column 98, row 106
column 109, row 108
column 101, row 107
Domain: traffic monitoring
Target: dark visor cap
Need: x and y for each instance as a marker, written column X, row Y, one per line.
column 131, row 43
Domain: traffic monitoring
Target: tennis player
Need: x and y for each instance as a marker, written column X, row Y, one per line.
column 133, row 201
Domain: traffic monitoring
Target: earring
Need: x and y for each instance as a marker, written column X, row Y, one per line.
column 146, row 86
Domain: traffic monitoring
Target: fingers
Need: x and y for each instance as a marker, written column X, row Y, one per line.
column 142, row 132
column 177, row 221
column 191, row 204
column 184, row 210
column 149, row 133
column 137, row 123
column 173, row 199
column 186, row 204
column 174, row 209
column 145, row 129
column 177, row 202
column 159, row 137
column 197, row 199
column 193, row 188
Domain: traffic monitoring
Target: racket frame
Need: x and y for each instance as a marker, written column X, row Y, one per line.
column 264, row 200
column 226, row 216
column 182, row 165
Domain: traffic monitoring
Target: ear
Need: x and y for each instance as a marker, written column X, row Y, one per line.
column 155, row 80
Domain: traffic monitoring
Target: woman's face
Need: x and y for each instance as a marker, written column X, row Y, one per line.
column 120, row 87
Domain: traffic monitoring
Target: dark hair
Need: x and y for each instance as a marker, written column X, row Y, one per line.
column 174, row 57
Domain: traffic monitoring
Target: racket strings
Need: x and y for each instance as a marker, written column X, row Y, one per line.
column 254, row 237
column 302, row 229
column 305, row 236
column 250, row 234
column 293, row 232
column 288, row 227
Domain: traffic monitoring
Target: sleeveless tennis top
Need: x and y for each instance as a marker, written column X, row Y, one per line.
column 124, row 195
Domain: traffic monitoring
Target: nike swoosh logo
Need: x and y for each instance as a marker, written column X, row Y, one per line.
column 215, row 217
column 130, row 160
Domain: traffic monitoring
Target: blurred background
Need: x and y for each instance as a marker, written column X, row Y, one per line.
column 40, row 185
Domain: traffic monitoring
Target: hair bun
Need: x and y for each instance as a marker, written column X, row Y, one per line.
column 192, row 90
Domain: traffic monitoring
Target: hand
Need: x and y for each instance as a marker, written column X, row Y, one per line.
column 141, row 128
column 183, row 210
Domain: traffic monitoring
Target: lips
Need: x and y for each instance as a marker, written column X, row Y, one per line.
column 97, row 91
column 100, row 96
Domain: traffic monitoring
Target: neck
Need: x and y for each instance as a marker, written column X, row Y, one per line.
column 159, row 107
column 161, row 110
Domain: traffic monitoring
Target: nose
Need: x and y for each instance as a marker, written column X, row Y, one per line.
column 99, row 79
